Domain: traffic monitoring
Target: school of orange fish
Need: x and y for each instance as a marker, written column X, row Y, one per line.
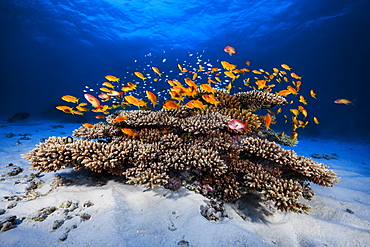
column 115, row 93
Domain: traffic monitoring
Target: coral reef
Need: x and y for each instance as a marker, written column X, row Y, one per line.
column 193, row 148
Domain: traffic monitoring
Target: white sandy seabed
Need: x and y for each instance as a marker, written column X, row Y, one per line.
column 104, row 211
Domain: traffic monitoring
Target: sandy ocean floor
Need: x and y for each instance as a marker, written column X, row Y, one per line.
column 81, row 208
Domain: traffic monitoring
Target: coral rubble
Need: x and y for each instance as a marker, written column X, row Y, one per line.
column 193, row 148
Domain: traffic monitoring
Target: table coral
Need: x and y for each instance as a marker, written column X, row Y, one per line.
column 193, row 147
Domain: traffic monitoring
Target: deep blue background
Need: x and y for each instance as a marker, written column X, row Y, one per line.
column 53, row 48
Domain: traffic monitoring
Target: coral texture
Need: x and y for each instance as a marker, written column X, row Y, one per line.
column 194, row 148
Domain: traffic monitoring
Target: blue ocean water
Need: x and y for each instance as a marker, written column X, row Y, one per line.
column 53, row 48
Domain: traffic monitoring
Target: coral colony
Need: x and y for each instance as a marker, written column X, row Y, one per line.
column 203, row 138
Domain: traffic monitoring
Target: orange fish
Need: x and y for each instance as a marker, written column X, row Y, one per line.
column 268, row 119
column 65, row 109
column 191, row 91
column 302, row 100
column 77, row 112
column 104, row 96
column 129, row 132
column 176, row 95
column 100, row 116
column 170, row 104
column 316, row 120
column 237, row 125
column 181, row 68
column 111, row 78
column 344, row 101
column 140, row 75
column 294, row 136
column 87, row 125
column 292, row 90
column 81, row 108
column 228, row 66
column 102, row 108
column 135, row 101
column 284, row 93
column 295, row 76
column 70, row 98
column 231, row 75
column 200, row 68
column 261, row 84
column 303, row 110
column 108, row 84
column 195, row 104
column 119, row 119
column 128, row 87
column 209, row 81
column 229, row 86
column 218, row 79
column 151, row 96
column 257, row 72
column 313, row 94
column 207, row 88
column 92, row 100
column 106, row 90
column 285, row 66
column 230, row 50
column 157, row 71
column 214, row 70
column 210, row 98
column 294, row 111
column 189, row 82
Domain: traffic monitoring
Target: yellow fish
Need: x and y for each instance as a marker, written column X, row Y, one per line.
column 119, row 119
column 228, row 66
column 200, row 68
column 229, row 86
column 294, row 136
column 151, row 96
column 129, row 132
column 65, row 109
column 195, row 104
column 344, row 101
column 140, row 75
column 111, row 78
column 313, row 94
column 170, row 104
column 285, row 66
column 210, row 98
column 207, row 88
column 181, row 68
column 316, row 120
column 87, row 125
column 302, row 100
column 303, row 110
column 157, row 71
column 295, row 76
column 108, row 84
column 294, row 111
column 70, row 98
column 257, row 72
column 135, row 101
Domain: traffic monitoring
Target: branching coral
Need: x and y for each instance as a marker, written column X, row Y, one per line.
column 194, row 148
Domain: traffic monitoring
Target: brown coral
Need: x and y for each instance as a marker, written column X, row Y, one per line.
column 195, row 148
column 257, row 100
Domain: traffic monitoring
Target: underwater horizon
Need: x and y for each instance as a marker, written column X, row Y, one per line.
column 55, row 48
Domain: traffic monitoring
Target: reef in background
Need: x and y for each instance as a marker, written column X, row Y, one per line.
column 193, row 148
